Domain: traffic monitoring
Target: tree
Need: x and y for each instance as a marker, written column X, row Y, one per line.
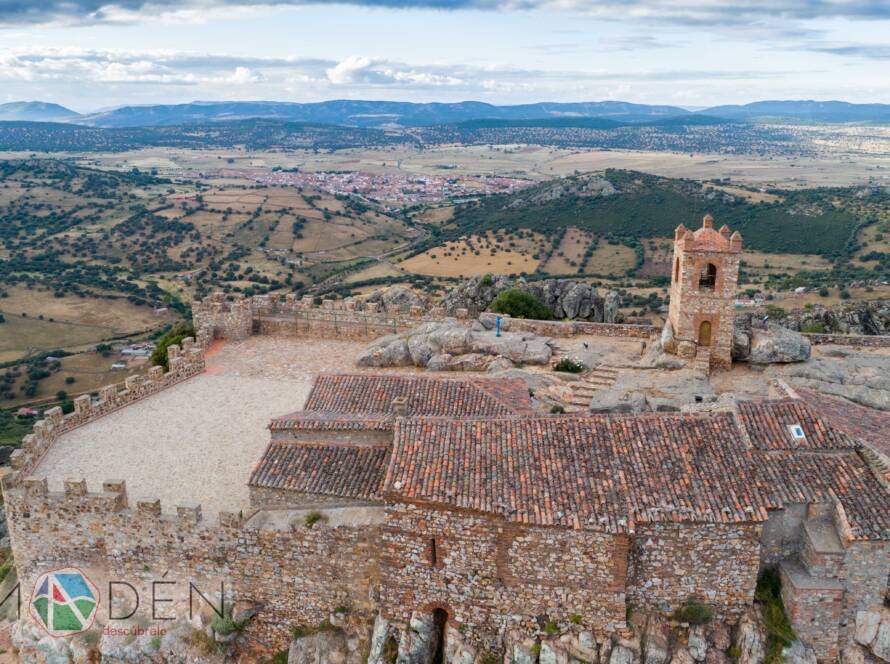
column 520, row 304
column 174, row 336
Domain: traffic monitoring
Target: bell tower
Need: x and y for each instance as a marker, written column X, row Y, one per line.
column 704, row 281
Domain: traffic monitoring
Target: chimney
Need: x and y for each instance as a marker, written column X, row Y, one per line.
column 400, row 406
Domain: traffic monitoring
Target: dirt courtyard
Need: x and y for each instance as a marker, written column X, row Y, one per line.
column 198, row 441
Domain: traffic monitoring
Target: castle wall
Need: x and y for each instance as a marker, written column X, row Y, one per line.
column 782, row 534
column 298, row 575
column 715, row 563
column 491, row 574
column 854, row 340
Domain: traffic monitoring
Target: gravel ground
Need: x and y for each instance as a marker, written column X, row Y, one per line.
column 198, row 441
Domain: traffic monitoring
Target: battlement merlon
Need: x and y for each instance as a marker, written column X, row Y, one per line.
column 111, row 498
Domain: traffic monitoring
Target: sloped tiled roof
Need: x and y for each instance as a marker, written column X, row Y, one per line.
column 768, row 424
column 605, row 471
column 612, row 472
column 866, row 424
column 354, row 471
column 373, row 394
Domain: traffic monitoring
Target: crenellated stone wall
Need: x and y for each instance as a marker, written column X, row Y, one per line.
column 184, row 361
column 298, row 575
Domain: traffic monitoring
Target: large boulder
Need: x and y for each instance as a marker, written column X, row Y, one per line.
column 750, row 639
column 396, row 299
column 776, row 344
column 452, row 346
column 564, row 299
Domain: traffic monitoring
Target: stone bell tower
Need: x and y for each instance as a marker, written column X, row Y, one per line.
column 704, row 280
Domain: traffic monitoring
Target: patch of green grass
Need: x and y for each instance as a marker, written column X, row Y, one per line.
column 551, row 628
column 314, row 517
column 694, row 613
column 226, row 624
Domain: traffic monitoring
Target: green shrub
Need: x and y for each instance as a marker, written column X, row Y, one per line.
column 845, row 294
column 174, row 336
column 520, row 304
column 733, row 652
column 557, row 410
column 490, row 658
column 226, row 624
column 568, row 365
column 814, row 328
column 314, row 517
column 551, row 628
column 775, row 312
column 575, row 619
column 694, row 613
column 823, row 292
column 390, row 650
column 779, row 632
column 487, row 281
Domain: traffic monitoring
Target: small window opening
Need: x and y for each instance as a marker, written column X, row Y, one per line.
column 797, row 432
column 434, row 553
column 707, row 280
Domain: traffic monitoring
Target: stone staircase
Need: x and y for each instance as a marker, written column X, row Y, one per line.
column 702, row 361
column 583, row 390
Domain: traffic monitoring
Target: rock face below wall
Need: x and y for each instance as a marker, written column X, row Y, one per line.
column 564, row 299
column 452, row 346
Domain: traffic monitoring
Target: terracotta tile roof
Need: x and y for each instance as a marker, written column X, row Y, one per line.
column 869, row 425
column 799, row 477
column 605, row 472
column 373, row 394
column 324, row 468
column 768, row 424
column 611, row 472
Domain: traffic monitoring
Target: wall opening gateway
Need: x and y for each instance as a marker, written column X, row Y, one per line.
column 440, row 618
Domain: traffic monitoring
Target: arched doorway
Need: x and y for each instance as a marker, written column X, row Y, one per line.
column 440, row 618
column 704, row 333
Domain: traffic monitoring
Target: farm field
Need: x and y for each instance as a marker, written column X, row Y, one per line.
column 478, row 255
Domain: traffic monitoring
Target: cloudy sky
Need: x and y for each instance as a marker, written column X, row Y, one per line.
column 92, row 54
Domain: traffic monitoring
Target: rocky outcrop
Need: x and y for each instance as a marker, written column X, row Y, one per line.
column 867, row 317
column 861, row 377
column 396, row 299
column 645, row 391
column 873, row 632
column 767, row 344
column 564, row 299
column 452, row 346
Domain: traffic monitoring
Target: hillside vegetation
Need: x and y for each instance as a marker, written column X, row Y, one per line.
column 636, row 205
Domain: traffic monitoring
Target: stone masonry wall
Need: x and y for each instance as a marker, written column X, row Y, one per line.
column 491, row 575
column 856, row 341
column 298, row 576
column 715, row 563
column 782, row 535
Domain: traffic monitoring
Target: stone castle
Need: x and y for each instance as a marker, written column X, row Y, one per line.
column 452, row 521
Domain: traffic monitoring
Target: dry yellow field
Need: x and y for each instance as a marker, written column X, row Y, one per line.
column 570, row 254
column 758, row 262
column 477, row 255
column 613, row 259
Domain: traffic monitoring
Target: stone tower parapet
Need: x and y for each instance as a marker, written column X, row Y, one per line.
column 704, row 282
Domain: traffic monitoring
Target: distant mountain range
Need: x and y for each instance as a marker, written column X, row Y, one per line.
column 359, row 113
column 36, row 111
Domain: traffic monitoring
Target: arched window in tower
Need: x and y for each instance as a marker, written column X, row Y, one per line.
column 707, row 280
column 677, row 269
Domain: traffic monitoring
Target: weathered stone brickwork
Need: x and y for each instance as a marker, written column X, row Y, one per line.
column 713, row 563
column 490, row 575
column 298, row 575
column 703, row 290
column 854, row 340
